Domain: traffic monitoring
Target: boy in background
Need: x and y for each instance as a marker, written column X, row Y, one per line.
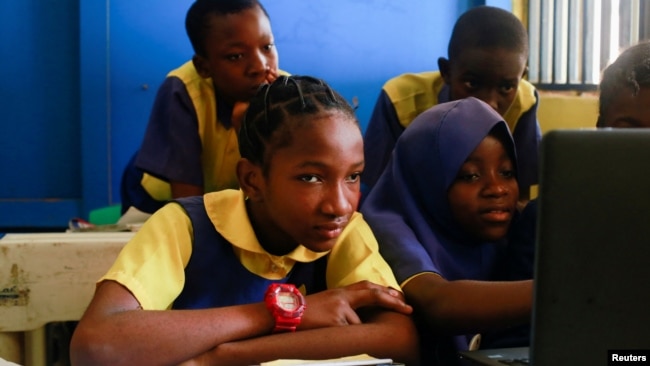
column 625, row 90
column 488, row 51
column 190, row 144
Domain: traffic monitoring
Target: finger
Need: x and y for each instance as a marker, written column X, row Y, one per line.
column 352, row 317
column 386, row 297
column 390, row 301
column 396, row 293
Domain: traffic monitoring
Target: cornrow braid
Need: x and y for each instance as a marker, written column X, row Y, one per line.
column 631, row 71
column 274, row 110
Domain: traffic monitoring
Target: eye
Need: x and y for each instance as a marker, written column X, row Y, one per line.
column 309, row 179
column 234, row 57
column 353, row 178
column 507, row 88
column 471, row 84
column 269, row 47
column 468, row 177
column 508, row 173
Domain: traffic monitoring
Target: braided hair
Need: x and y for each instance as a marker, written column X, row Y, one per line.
column 630, row 71
column 279, row 107
column 199, row 17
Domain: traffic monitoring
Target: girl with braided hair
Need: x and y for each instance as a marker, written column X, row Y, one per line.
column 190, row 287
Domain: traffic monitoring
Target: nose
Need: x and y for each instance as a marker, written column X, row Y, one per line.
column 495, row 185
column 491, row 97
column 339, row 200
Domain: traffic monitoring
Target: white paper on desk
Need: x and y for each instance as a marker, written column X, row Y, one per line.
column 343, row 361
column 133, row 216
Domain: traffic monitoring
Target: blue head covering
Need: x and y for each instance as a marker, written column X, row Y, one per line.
column 408, row 209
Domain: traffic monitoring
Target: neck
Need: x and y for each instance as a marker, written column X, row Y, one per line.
column 270, row 237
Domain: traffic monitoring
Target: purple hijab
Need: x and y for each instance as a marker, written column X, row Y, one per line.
column 408, row 209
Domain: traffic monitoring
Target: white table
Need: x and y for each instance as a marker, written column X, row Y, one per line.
column 50, row 277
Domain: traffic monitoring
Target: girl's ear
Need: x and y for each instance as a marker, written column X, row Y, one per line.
column 201, row 65
column 251, row 179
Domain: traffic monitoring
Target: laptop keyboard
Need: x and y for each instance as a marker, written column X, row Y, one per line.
column 516, row 362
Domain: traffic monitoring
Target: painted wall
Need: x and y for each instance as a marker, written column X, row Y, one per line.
column 81, row 76
column 40, row 174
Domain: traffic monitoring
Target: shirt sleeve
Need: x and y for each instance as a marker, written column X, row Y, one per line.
column 355, row 257
column 152, row 264
column 379, row 140
column 403, row 251
column 171, row 148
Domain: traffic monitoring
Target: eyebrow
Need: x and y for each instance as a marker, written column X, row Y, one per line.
column 479, row 159
column 319, row 164
column 266, row 38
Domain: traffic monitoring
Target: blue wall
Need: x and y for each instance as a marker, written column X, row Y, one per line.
column 40, row 174
column 81, row 76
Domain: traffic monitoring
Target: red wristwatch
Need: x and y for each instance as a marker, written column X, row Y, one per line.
column 286, row 304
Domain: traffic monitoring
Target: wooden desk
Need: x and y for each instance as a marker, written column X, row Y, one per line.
column 50, row 277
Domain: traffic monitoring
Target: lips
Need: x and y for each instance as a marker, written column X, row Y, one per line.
column 496, row 214
column 331, row 230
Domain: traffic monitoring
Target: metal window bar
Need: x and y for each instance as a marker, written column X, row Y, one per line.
column 572, row 41
column 534, row 49
column 561, row 42
column 575, row 42
column 591, row 64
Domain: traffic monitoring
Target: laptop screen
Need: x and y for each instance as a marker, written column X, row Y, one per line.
column 592, row 270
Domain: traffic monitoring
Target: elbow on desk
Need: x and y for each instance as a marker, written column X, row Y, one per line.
column 87, row 348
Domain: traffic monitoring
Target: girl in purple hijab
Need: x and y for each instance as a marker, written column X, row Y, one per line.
column 442, row 212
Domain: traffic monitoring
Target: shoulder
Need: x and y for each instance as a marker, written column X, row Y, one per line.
column 358, row 228
column 190, row 77
column 527, row 92
column 412, row 94
column 525, row 101
column 410, row 83
column 526, row 97
column 185, row 70
column 355, row 257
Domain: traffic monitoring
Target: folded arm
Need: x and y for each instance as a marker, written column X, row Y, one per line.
column 116, row 331
column 387, row 335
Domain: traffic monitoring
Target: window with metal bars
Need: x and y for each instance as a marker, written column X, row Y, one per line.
column 572, row 41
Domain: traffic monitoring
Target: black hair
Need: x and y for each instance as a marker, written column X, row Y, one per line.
column 631, row 71
column 488, row 27
column 270, row 117
column 199, row 17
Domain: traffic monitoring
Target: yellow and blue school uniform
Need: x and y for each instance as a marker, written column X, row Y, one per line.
column 189, row 139
column 177, row 260
column 408, row 95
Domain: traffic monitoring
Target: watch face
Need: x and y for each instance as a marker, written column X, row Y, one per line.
column 287, row 301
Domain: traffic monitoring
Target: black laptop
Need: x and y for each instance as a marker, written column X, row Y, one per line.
column 592, row 269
